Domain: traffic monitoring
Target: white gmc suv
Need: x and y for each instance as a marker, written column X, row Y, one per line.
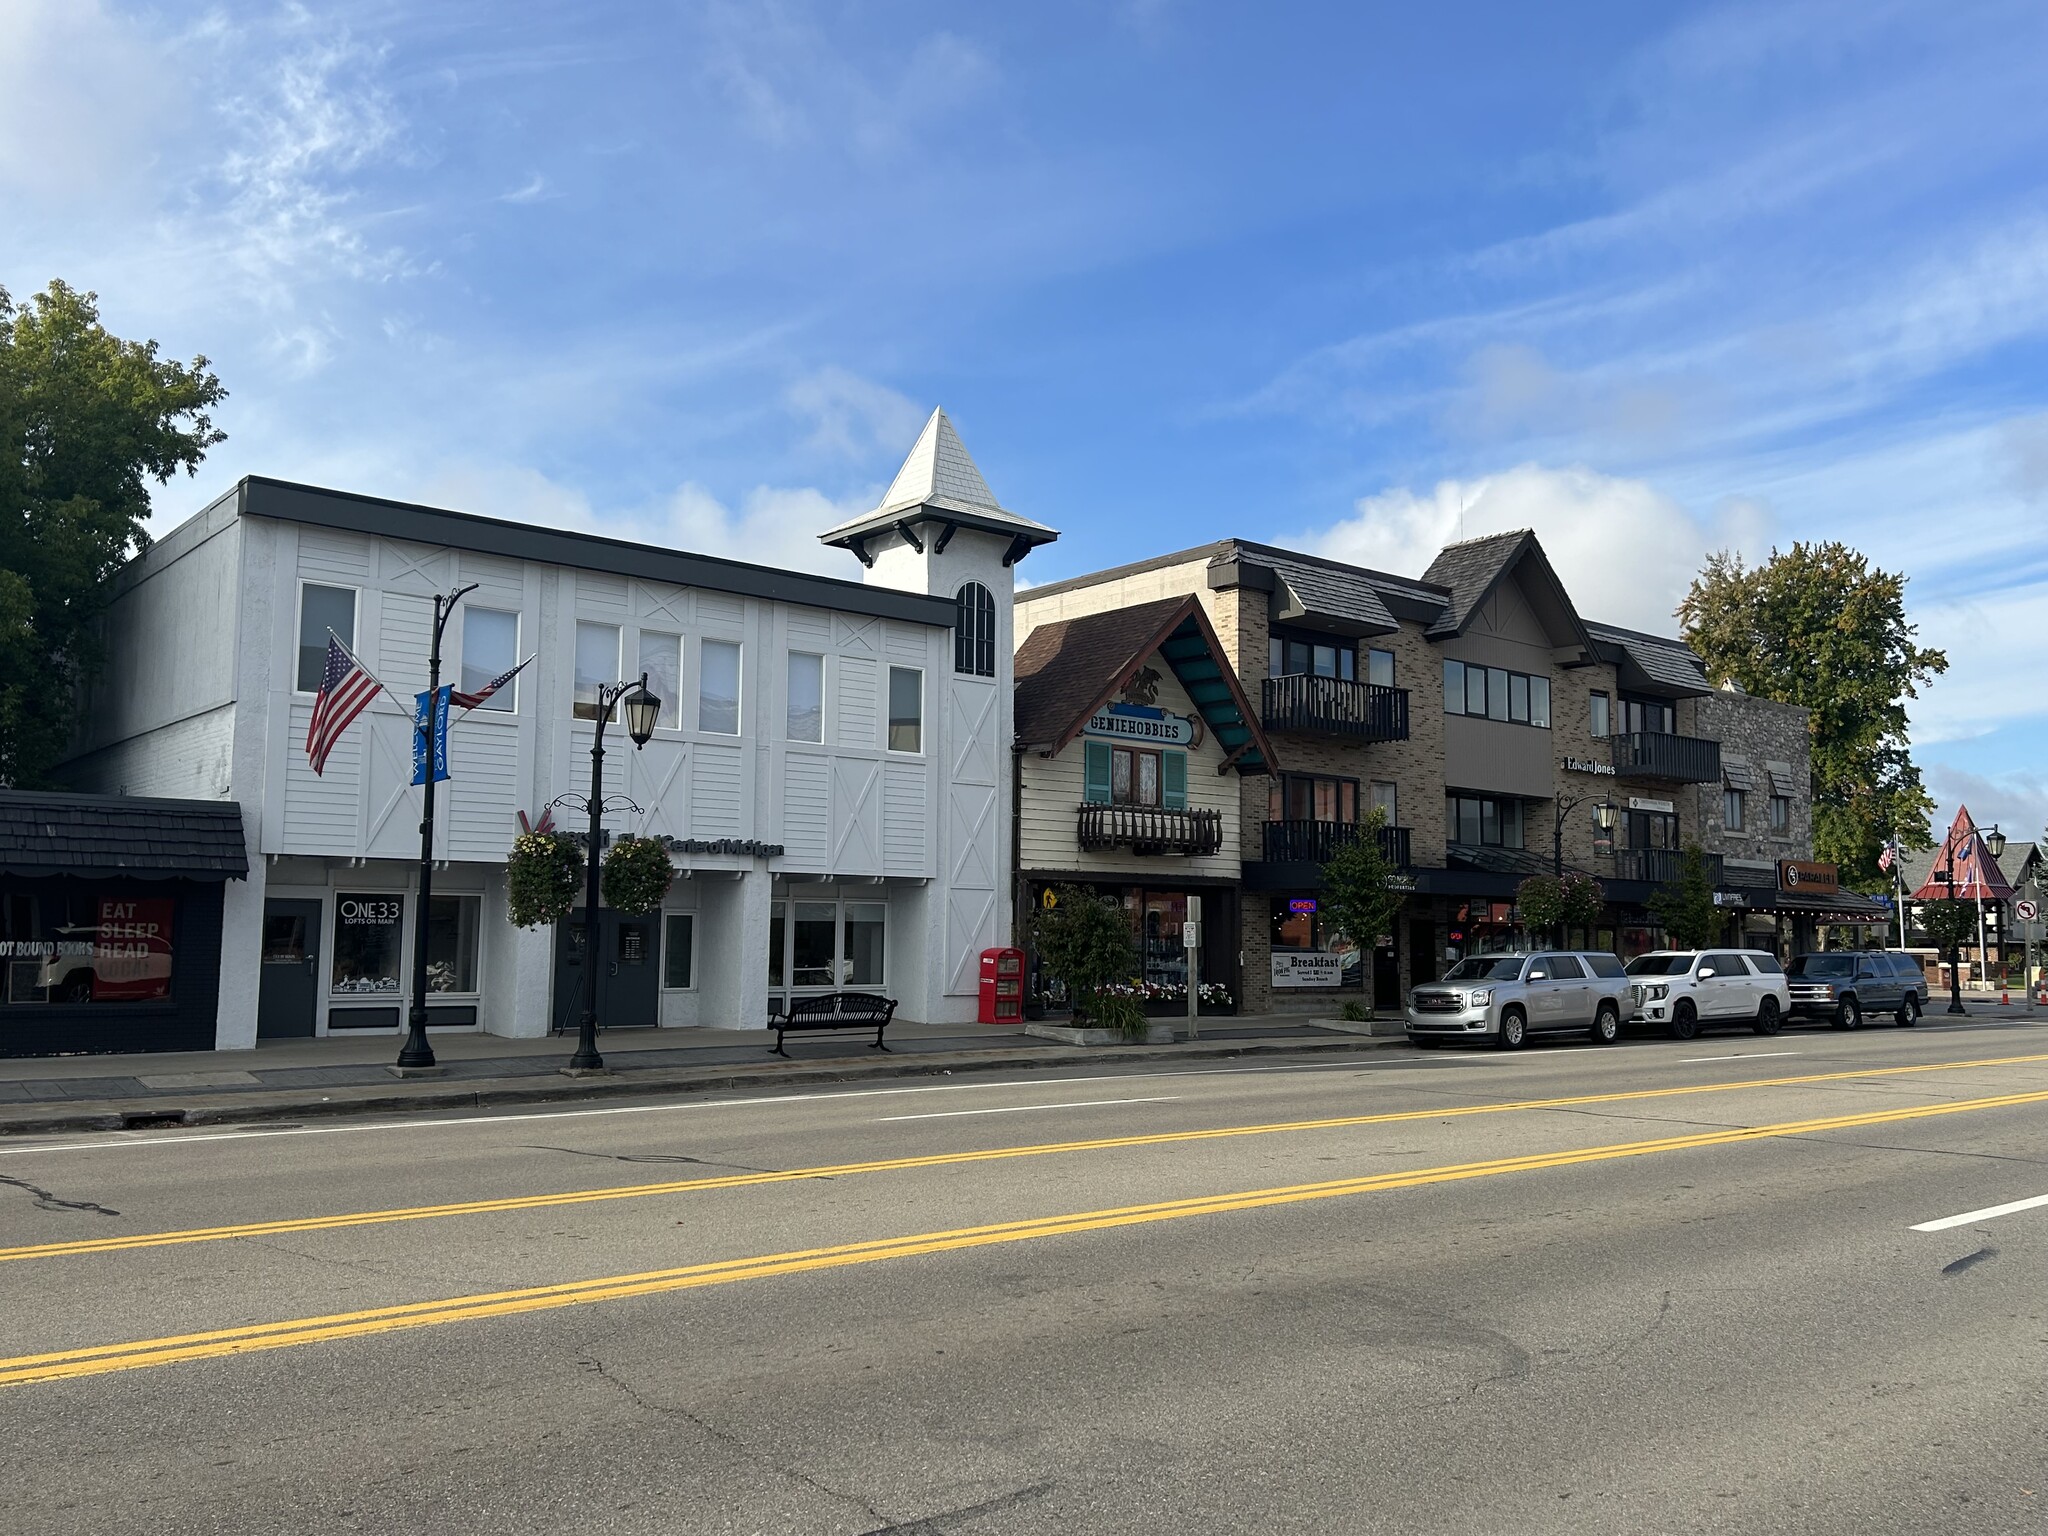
column 1683, row 991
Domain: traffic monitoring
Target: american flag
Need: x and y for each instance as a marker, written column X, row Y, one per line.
column 471, row 700
column 346, row 689
column 1889, row 855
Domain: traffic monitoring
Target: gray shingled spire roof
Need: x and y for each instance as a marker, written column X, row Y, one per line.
column 941, row 477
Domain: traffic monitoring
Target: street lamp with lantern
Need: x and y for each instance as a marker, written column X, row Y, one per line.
column 643, row 709
column 1604, row 817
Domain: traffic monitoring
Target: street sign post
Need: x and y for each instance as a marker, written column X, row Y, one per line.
column 1191, row 942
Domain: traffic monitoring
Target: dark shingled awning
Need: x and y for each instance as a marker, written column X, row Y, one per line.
column 44, row 833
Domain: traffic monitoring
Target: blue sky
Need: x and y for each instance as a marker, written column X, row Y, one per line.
column 1652, row 279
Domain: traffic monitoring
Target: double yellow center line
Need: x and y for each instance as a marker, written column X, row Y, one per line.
column 120, row 1244
column 101, row 1359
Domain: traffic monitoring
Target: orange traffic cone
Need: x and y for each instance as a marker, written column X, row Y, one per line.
column 2004, row 998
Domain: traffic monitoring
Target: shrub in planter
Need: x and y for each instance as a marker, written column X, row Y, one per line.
column 1084, row 943
column 637, row 875
column 542, row 876
column 1119, row 1011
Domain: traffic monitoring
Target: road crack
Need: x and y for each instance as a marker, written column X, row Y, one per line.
column 935, row 1525
column 45, row 1201
column 653, row 1157
column 735, row 1443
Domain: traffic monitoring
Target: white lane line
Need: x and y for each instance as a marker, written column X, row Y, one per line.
column 1986, row 1214
column 1018, row 1109
column 120, row 1140
column 1686, row 1061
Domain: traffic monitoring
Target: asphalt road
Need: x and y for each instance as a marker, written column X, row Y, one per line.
column 1655, row 1288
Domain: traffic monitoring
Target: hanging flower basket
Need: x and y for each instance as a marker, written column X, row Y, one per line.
column 541, row 878
column 637, row 875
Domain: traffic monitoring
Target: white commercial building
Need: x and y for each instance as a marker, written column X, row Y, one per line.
column 830, row 765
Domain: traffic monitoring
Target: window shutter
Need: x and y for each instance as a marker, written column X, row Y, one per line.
column 1096, row 770
column 1173, row 780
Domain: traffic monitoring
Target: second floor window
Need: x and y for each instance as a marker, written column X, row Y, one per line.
column 906, row 709
column 1483, row 821
column 1731, row 810
column 1602, row 723
column 322, row 609
column 1114, row 775
column 597, row 665
column 1307, row 797
column 974, row 631
column 1781, row 814
column 718, row 687
column 806, row 713
column 490, row 649
column 1379, row 668
column 661, row 658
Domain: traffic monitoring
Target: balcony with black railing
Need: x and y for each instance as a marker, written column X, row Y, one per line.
column 1316, row 842
column 1334, row 706
column 1660, row 866
column 1150, row 829
column 1662, row 755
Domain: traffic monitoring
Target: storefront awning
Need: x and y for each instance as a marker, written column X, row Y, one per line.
column 1820, row 906
column 46, row 833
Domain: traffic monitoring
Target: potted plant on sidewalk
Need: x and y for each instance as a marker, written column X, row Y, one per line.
column 1084, row 942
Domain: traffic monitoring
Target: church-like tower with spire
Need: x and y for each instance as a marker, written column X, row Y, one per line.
column 939, row 530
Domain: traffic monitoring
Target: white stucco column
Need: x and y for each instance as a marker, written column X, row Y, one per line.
column 518, row 970
column 732, row 950
column 241, row 958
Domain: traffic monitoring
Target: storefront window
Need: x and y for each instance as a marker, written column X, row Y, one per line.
column 777, row 975
column 678, row 950
column 1301, row 926
column 811, row 945
column 106, row 946
column 866, row 922
column 452, row 923
column 369, row 941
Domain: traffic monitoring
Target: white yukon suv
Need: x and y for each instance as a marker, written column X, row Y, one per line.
column 1683, row 991
column 1505, row 999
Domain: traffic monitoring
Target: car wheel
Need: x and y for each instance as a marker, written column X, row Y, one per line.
column 1909, row 1012
column 1848, row 1014
column 1514, row 1030
column 1606, row 1025
column 1767, row 1020
column 1685, row 1022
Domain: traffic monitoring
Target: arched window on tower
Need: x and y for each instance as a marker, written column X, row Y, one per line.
column 974, row 631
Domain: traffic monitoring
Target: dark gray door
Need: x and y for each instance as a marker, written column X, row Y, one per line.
column 288, row 989
column 629, row 971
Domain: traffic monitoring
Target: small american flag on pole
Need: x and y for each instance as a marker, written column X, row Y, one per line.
column 346, row 689
column 463, row 700
column 1889, row 855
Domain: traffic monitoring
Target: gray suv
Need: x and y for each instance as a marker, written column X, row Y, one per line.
column 1505, row 999
column 1846, row 986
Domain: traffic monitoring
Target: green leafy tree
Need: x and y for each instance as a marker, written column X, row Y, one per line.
column 87, row 420
column 1084, row 941
column 1819, row 626
column 1686, row 905
column 1555, row 903
column 1358, row 893
column 1948, row 924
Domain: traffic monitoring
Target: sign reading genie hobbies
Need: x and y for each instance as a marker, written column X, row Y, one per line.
column 1141, row 722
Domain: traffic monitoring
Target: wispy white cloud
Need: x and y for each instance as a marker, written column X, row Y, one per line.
column 851, row 416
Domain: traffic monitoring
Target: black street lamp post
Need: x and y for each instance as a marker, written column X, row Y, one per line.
column 642, row 710
column 416, row 1052
column 1566, row 804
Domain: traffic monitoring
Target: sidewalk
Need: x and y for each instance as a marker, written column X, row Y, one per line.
column 291, row 1079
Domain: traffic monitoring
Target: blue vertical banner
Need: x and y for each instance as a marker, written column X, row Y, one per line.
column 439, row 704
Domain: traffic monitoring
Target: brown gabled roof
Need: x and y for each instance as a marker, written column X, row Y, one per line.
column 1069, row 669
column 1473, row 569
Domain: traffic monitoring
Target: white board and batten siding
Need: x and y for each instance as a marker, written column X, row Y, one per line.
column 1054, row 791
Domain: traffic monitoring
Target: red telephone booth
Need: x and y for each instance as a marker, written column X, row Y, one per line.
column 1002, row 986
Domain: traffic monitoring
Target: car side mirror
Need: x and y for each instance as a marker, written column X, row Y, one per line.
column 1539, row 976
column 1706, row 971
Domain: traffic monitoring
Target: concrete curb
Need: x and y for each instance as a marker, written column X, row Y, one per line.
column 303, row 1103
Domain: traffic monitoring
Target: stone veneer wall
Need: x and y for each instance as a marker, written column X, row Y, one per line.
column 1761, row 731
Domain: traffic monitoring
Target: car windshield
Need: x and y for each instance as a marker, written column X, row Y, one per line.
column 1823, row 965
column 1486, row 968
column 1660, row 965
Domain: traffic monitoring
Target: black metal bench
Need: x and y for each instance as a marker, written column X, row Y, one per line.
column 834, row 1010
